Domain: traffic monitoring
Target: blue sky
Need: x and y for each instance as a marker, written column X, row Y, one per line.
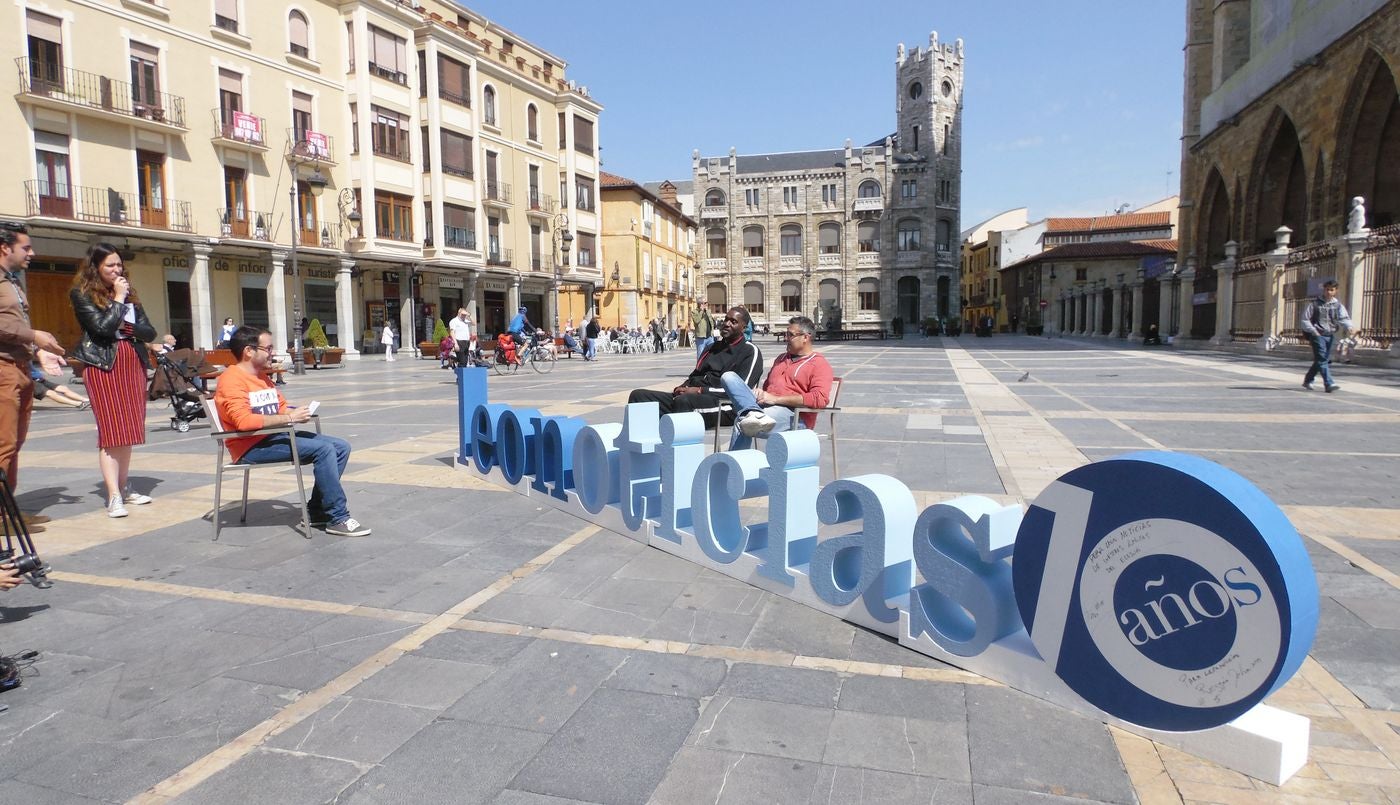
column 1071, row 107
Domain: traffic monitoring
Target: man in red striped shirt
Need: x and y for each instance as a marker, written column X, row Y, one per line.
column 800, row 377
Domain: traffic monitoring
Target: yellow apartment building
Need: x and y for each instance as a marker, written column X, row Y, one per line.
column 352, row 161
column 649, row 257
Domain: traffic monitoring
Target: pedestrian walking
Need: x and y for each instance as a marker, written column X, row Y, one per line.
column 387, row 339
column 704, row 331
column 1322, row 319
column 226, row 332
column 591, row 331
column 113, row 346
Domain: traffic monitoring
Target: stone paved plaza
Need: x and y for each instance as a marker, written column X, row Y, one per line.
column 481, row 647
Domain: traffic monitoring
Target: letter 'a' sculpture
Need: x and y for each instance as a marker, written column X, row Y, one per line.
column 1172, row 613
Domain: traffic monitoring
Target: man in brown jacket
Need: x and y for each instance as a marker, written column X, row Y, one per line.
column 20, row 344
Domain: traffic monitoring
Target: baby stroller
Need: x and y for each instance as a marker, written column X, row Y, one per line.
column 187, row 400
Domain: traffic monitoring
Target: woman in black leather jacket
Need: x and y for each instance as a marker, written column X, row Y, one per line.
column 115, row 332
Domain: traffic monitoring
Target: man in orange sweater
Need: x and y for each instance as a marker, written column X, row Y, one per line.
column 247, row 400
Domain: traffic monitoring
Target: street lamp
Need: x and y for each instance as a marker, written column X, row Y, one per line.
column 316, row 182
column 565, row 239
column 617, row 294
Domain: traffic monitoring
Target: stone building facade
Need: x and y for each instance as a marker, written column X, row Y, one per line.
column 410, row 151
column 1290, row 112
column 853, row 236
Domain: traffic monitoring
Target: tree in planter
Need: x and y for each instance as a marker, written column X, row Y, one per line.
column 316, row 339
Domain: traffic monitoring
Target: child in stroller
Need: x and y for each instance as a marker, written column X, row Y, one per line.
column 447, row 353
column 505, row 349
column 185, row 398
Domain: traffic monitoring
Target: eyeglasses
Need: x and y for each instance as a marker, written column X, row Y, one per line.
column 791, row 334
column 268, row 349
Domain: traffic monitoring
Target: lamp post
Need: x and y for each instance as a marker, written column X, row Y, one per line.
column 617, row 294
column 316, row 182
column 565, row 239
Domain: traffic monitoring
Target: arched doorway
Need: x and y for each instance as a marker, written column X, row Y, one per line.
column 829, row 304
column 1213, row 232
column 945, row 288
column 1372, row 150
column 1282, row 197
column 907, row 295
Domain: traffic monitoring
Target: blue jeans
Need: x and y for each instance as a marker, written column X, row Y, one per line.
column 590, row 351
column 1322, row 359
column 743, row 399
column 701, row 344
column 328, row 456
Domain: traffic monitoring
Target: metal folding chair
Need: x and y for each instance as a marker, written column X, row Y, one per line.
column 831, row 410
column 221, row 435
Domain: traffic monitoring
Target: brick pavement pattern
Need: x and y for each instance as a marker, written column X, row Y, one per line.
column 480, row 648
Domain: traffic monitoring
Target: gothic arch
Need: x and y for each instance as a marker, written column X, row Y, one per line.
column 1280, row 186
column 1368, row 147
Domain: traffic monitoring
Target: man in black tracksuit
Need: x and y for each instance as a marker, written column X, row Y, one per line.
column 702, row 389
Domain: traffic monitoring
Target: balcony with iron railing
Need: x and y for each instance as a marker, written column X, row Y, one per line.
column 541, row 203
column 234, row 129
column 542, row 262
column 66, row 89
column 388, row 74
column 105, row 206
column 497, row 193
column 499, row 257
column 245, row 224
column 311, row 146
column 458, row 237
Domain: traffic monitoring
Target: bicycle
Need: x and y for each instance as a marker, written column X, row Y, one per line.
column 540, row 358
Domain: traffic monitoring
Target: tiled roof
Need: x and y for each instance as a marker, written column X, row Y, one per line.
column 606, row 179
column 1100, row 250
column 1132, row 220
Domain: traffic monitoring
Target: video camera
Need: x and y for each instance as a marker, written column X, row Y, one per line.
column 18, row 547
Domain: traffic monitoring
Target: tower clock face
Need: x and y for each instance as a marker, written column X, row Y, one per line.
column 916, row 90
column 947, row 88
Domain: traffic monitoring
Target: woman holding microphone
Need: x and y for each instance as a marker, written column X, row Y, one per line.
column 115, row 332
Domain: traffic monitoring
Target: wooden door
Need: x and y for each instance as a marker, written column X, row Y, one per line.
column 49, row 308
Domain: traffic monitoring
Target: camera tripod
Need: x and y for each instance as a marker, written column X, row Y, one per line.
column 18, row 547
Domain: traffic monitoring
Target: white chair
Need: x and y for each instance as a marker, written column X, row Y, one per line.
column 221, row 435
column 831, row 410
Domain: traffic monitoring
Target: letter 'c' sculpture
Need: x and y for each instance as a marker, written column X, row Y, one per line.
column 1156, row 591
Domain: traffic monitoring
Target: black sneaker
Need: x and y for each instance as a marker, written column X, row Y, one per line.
column 1332, row 388
column 1308, row 386
column 349, row 527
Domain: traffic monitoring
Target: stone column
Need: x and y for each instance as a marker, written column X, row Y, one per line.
column 1165, row 283
column 1136, row 325
column 1225, row 295
column 201, row 305
column 469, row 297
column 1077, row 319
column 1091, row 326
column 277, row 301
column 513, row 297
column 345, row 308
column 1116, row 331
column 1188, row 291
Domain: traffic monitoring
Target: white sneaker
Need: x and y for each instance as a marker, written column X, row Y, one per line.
column 349, row 527
column 135, row 498
column 756, row 423
column 115, row 507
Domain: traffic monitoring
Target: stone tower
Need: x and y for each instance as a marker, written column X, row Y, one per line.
column 926, row 179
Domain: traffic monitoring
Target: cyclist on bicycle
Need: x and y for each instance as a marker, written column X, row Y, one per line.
column 519, row 326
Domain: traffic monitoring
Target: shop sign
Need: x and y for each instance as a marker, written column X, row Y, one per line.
column 241, row 266
column 451, row 282
column 1172, row 613
column 1203, row 298
column 493, row 285
column 175, row 261
column 319, row 273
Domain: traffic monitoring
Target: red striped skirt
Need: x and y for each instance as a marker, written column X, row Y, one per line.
column 119, row 399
